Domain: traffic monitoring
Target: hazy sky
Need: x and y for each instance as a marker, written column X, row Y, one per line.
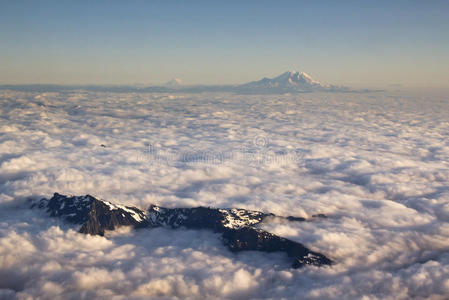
column 356, row 43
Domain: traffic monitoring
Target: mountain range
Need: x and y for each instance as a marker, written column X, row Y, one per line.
column 288, row 82
column 237, row 227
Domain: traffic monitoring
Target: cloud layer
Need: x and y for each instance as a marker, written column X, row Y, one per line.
column 376, row 164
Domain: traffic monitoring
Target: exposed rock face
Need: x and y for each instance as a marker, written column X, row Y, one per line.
column 95, row 216
column 249, row 238
column 204, row 217
column 237, row 226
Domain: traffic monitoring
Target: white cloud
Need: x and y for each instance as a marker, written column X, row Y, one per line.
column 376, row 164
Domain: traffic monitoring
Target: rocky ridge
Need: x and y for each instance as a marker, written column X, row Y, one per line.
column 237, row 226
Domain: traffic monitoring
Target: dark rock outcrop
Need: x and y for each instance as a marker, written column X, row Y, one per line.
column 237, row 226
column 249, row 238
column 95, row 216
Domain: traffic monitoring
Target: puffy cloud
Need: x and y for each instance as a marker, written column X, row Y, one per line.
column 376, row 164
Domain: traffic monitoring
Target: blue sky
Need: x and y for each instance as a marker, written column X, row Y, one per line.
column 356, row 43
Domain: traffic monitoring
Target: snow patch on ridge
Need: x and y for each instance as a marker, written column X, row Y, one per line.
column 138, row 216
column 238, row 218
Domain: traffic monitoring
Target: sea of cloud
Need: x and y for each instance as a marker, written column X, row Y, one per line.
column 377, row 164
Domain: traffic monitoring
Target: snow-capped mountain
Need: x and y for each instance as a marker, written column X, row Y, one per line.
column 291, row 81
column 173, row 83
column 236, row 226
column 95, row 216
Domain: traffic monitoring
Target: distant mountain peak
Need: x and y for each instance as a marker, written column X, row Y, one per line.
column 296, row 78
column 174, row 82
column 288, row 82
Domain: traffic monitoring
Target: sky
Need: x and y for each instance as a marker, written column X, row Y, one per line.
column 353, row 43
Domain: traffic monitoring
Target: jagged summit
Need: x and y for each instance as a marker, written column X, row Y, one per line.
column 95, row 216
column 236, row 226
